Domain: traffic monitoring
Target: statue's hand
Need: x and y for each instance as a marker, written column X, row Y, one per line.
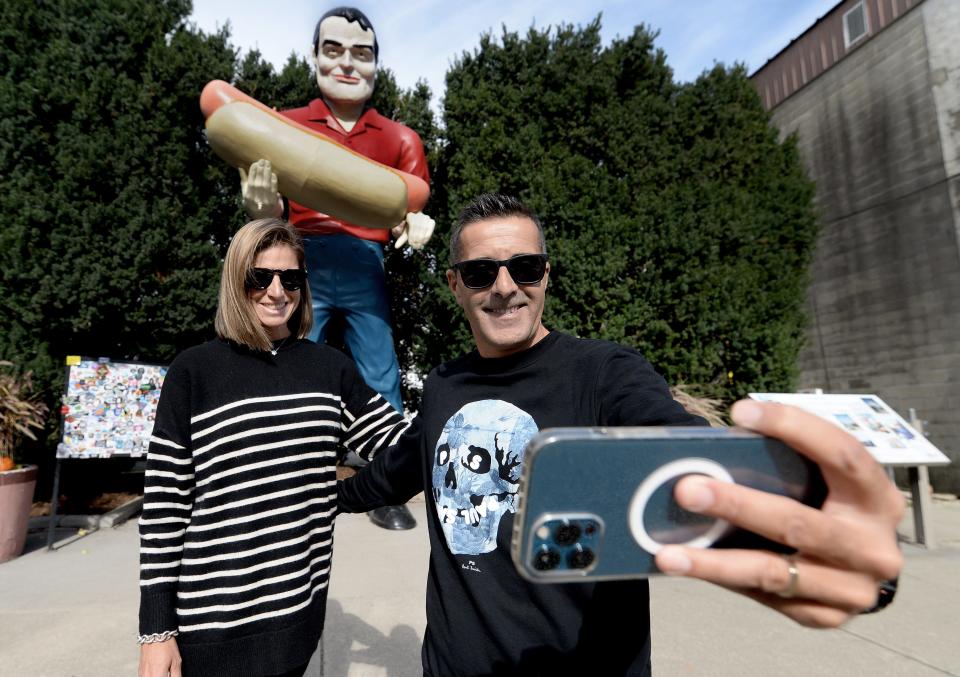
column 259, row 187
column 415, row 230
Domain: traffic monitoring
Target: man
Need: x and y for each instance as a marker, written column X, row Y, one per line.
column 482, row 618
column 345, row 261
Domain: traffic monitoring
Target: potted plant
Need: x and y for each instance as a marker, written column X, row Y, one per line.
column 19, row 412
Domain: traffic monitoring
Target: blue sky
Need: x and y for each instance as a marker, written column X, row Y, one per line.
column 421, row 38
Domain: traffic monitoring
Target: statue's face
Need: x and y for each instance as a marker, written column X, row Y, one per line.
column 346, row 65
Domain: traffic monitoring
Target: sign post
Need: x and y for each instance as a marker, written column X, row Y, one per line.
column 919, row 478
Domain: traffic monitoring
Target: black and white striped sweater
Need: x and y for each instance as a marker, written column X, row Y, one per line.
column 240, row 499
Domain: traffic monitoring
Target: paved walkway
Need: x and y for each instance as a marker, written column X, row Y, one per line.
column 73, row 613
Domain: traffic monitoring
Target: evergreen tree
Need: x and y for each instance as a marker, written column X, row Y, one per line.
column 410, row 273
column 293, row 87
column 675, row 220
column 116, row 211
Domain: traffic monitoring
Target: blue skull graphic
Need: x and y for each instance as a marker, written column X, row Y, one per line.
column 476, row 471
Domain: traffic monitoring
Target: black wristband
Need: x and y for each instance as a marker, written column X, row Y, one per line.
column 888, row 589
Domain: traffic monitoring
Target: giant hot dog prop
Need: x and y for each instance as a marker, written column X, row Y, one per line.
column 311, row 169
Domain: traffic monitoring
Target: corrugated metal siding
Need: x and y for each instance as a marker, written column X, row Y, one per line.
column 820, row 47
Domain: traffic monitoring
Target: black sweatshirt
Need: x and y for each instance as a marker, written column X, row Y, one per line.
column 239, row 500
column 466, row 451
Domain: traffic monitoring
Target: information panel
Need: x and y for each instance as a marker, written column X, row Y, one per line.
column 109, row 408
column 884, row 433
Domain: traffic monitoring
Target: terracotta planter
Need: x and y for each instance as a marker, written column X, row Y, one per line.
column 16, row 497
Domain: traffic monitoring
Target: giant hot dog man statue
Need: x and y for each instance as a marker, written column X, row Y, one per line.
column 345, row 261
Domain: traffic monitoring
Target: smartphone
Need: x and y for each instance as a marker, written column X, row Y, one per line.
column 597, row 503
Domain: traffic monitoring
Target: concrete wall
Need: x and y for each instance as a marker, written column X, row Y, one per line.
column 880, row 135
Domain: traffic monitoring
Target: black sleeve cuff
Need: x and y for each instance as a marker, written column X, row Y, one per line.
column 158, row 612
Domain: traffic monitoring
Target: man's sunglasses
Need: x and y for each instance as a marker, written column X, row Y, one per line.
column 523, row 268
column 291, row 279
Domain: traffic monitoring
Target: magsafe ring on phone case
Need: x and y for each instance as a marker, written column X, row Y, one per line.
column 653, row 501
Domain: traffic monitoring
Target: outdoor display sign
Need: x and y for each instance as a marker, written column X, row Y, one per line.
column 109, row 408
column 886, row 435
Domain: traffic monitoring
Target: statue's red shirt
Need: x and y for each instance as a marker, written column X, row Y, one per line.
column 375, row 137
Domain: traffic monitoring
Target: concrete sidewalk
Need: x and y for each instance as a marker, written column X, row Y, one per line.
column 73, row 613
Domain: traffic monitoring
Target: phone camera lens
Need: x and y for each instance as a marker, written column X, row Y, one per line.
column 546, row 559
column 581, row 558
column 566, row 534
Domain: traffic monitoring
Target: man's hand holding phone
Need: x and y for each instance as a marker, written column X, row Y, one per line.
column 845, row 549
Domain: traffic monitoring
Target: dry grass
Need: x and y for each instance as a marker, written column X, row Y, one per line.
column 708, row 408
column 19, row 412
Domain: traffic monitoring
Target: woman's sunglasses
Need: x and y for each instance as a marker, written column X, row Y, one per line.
column 291, row 279
column 523, row 268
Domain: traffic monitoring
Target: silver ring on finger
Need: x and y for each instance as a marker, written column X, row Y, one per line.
column 794, row 578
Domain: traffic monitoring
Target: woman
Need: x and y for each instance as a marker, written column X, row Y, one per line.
column 240, row 489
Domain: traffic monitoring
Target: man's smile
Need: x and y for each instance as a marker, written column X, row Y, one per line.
column 504, row 312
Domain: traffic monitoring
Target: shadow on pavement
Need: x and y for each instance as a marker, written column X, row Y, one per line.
column 352, row 646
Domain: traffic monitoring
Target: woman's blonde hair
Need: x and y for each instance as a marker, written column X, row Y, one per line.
column 236, row 318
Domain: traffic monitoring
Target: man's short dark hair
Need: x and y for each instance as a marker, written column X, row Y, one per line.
column 351, row 14
column 492, row 206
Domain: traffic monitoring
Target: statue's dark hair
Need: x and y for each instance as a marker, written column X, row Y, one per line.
column 351, row 14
